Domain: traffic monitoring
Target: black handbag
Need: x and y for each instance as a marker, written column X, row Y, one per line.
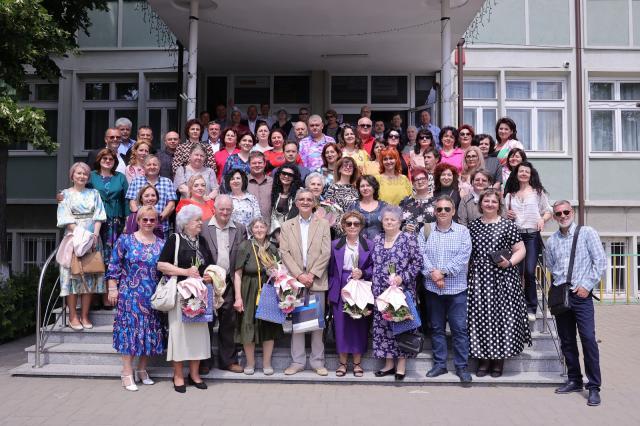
column 497, row 256
column 559, row 302
column 410, row 342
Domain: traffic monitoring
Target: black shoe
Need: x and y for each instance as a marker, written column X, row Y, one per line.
column 570, row 386
column 465, row 377
column 199, row 385
column 594, row 398
column 496, row 367
column 437, row 371
column 382, row 373
column 179, row 389
column 483, row 367
column 399, row 377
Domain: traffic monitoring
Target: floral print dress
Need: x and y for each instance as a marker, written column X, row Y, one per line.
column 405, row 255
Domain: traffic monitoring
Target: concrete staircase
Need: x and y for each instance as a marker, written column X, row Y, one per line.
column 89, row 353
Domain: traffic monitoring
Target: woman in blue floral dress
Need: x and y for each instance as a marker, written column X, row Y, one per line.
column 132, row 279
column 401, row 250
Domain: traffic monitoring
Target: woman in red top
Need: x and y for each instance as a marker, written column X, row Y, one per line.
column 230, row 139
column 275, row 157
column 197, row 190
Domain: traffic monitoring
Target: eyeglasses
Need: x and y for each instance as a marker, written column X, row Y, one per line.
column 352, row 224
column 425, row 138
column 113, row 137
column 347, row 165
column 465, row 134
column 148, row 220
column 365, row 126
column 443, row 209
column 562, row 213
column 109, row 159
column 471, row 156
column 394, row 136
column 418, row 180
column 287, row 174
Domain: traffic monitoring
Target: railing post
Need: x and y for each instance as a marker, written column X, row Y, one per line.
column 38, row 363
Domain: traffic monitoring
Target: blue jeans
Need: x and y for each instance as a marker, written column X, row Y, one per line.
column 452, row 308
column 580, row 316
column 528, row 269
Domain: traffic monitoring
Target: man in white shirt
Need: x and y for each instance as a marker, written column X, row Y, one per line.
column 265, row 114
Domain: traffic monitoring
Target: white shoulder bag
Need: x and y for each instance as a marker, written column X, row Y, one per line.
column 164, row 298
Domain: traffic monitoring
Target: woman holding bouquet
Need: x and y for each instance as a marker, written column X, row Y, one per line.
column 254, row 260
column 190, row 340
column 396, row 260
column 350, row 259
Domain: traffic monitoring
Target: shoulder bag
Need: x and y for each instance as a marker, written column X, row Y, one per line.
column 164, row 298
column 91, row 263
column 559, row 302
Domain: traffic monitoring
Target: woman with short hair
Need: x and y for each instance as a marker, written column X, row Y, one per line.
column 424, row 142
column 188, row 341
column 472, row 161
column 240, row 160
column 394, row 186
column 262, row 138
column 196, row 166
column 229, row 142
column 351, row 146
column 131, row 278
column 343, row 191
column 468, row 207
column 446, row 180
column 245, row 205
column 369, row 206
column 491, row 164
column 139, row 152
column 147, row 196
column 451, row 153
column 418, row 208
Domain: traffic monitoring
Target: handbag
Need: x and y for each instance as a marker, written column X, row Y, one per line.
column 410, row 342
column 90, row 263
column 308, row 316
column 206, row 312
column 407, row 325
column 164, row 298
column 496, row 256
column 558, row 299
column 268, row 309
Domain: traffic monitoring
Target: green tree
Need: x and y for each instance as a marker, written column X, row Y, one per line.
column 32, row 33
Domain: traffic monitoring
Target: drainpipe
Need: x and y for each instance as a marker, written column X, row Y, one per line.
column 446, row 72
column 460, row 83
column 192, row 75
column 580, row 113
column 180, row 84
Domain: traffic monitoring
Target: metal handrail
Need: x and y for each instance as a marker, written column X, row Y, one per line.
column 42, row 327
column 543, row 303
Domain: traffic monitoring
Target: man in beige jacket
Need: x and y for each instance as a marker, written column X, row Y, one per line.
column 305, row 247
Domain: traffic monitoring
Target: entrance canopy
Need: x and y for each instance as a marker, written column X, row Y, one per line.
column 334, row 35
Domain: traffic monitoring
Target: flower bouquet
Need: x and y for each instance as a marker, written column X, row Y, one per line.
column 331, row 211
column 392, row 303
column 288, row 289
column 357, row 298
column 196, row 300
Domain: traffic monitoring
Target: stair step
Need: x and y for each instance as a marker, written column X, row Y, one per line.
column 95, row 353
column 412, row 378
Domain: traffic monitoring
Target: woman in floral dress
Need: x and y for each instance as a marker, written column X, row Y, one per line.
column 132, row 279
column 392, row 247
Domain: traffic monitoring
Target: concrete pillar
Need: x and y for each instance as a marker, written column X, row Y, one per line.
column 192, row 74
column 447, row 70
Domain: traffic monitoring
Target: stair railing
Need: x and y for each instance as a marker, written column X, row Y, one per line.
column 541, row 283
column 43, row 320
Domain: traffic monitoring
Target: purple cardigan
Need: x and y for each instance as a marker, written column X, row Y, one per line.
column 365, row 263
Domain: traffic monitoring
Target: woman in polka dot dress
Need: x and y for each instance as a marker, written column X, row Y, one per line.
column 498, row 327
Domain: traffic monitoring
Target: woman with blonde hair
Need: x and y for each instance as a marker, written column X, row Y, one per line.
column 139, row 152
column 198, row 197
column 472, row 161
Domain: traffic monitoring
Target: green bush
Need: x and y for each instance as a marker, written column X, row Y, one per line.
column 18, row 300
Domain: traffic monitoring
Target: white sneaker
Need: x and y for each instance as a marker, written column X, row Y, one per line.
column 531, row 316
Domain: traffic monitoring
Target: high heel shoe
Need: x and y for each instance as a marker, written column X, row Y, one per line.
column 128, row 383
column 143, row 377
column 200, row 385
column 382, row 373
column 399, row 377
column 179, row 388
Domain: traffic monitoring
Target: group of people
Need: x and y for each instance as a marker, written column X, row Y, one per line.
column 459, row 215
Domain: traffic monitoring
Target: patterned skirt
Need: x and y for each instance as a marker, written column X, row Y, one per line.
column 109, row 233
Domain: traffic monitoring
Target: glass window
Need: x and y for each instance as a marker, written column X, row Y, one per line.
column 155, row 122
column 95, row 124
column 601, row 91
column 23, row 94
column 46, row 92
column 607, row 22
column 470, row 116
column 348, row 89
column 389, row 89
column 630, row 91
column 136, row 27
column 291, row 89
column 96, row 91
column 549, row 130
column 518, row 90
column 630, row 130
column 522, row 118
column 424, row 84
column 479, row 89
column 51, row 123
column 103, row 31
column 549, row 90
column 506, row 24
column 636, row 39
column 252, row 90
column 163, row 90
column 127, row 91
column 549, row 22
column 489, row 118
column 602, row 130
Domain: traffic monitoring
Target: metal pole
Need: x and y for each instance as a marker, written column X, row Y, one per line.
column 580, row 113
column 447, row 78
column 460, row 82
column 180, row 82
column 192, row 77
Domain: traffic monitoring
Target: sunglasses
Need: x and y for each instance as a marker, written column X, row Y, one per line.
column 394, row 136
column 465, row 134
column 287, row 174
column 113, row 137
column 352, row 224
column 443, row 209
column 425, row 138
column 562, row 213
column 109, row 159
column 365, row 126
column 148, row 220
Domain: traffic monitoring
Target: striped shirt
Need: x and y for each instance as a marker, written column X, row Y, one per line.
column 590, row 261
column 448, row 251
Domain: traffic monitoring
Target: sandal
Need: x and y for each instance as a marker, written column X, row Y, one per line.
column 357, row 370
column 340, row 372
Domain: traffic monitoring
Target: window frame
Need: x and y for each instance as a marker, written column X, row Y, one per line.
column 630, row 34
column 17, row 260
column 480, row 104
column 43, row 105
column 617, row 106
column 378, row 106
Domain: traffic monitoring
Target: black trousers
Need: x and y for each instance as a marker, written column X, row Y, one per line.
column 580, row 316
column 227, row 353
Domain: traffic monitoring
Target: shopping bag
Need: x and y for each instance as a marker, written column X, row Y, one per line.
column 410, row 324
column 308, row 316
column 198, row 310
column 268, row 309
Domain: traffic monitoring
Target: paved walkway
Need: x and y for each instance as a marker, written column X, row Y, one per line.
column 53, row 401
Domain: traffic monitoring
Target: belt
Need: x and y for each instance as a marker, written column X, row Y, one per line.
column 527, row 231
